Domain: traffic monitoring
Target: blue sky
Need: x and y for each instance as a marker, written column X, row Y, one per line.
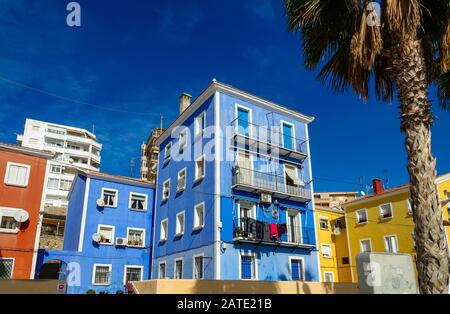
column 139, row 56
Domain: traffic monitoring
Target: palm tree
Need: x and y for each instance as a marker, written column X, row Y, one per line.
column 404, row 47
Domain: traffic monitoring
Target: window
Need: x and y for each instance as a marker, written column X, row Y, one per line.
column 323, row 223
column 182, row 141
column 199, row 216
column 8, row 223
column 243, row 121
column 162, row 270
column 64, row 185
column 297, row 269
column 181, row 182
column 6, row 268
column 110, row 197
column 179, row 230
column 178, row 273
column 133, row 273
column 390, row 244
column 247, row 210
column 200, row 168
column 138, row 201
column 248, row 269
column 17, row 174
column 361, row 216
column 164, row 230
column 288, row 135
column 102, row 274
column 386, row 211
column 366, row 245
column 136, row 237
column 292, row 179
column 166, row 190
column 326, row 250
column 106, row 234
column 409, row 207
column 328, row 276
column 167, row 152
column 293, row 226
column 198, row 267
column 53, row 184
column 345, row 261
column 35, row 128
column 55, row 169
column 200, row 124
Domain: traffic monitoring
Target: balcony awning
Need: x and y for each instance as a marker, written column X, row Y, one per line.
column 292, row 174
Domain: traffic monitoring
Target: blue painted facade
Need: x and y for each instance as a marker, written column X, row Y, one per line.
column 228, row 252
column 80, row 252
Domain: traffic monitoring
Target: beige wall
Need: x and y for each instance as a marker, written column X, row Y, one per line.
column 170, row 286
column 28, row 286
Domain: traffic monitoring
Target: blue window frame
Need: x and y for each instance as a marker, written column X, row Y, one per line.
column 297, row 269
column 247, row 267
column 288, row 138
column 243, row 117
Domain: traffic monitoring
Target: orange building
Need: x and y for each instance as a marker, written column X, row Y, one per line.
column 22, row 182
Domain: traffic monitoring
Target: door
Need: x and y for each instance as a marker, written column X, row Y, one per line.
column 245, row 168
column 288, row 136
column 243, row 122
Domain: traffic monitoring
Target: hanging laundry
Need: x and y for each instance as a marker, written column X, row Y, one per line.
column 274, row 232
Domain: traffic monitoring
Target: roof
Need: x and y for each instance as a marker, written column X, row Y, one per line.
column 397, row 189
column 113, row 177
column 329, row 209
column 443, row 177
column 216, row 86
column 26, row 151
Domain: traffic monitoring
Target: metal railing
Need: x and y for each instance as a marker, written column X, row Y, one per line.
column 272, row 136
column 268, row 182
column 250, row 229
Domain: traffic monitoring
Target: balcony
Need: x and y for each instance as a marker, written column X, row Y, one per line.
column 249, row 230
column 252, row 181
column 272, row 141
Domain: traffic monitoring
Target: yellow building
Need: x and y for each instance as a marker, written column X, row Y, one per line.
column 332, row 244
column 382, row 221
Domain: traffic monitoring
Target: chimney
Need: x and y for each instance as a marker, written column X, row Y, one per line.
column 185, row 102
column 377, row 186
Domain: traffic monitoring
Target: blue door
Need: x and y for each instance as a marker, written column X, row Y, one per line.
column 288, row 140
column 243, row 122
column 297, row 269
column 247, row 267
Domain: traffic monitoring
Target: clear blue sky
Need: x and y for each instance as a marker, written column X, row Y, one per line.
column 139, row 56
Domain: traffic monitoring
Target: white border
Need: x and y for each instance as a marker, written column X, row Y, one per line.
column 202, row 255
column 303, row 266
column 93, row 274
column 83, row 218
column 113, row 233
column 132, row 266
column 194, row 227
column 117, row 197
column 143, row 237
column 294, row 145
column 138, row 194
column 8, row 165
column 250, row 119
column 217, row 197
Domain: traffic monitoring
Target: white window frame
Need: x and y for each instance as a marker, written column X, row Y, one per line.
column 198, row 131
column 253, row 205
column 302, row 268
column 94, row 271
column 163, row 198
column 143, row 237
column 298, row 228
column 327, row 220
column 294, row 145
column 361, row 246
column 113, row 233
column 165, row 269
column 132, row 266
column 178, row 180
column 196, row 170
column 9, row 212
column 27, row 178
column 255, row 265
column 409, row 209
column 138, row 194
column 167, row 151
column 250, row 118
column 396, row 243
column 180, row 233
column 161, row 239
column 175, row 267
column 322, row 245
column 54, row 188
column 117, row 197
column 198, row 227
column 55, row 165
column 328, row 273
column 184, row 133
column 358, row 216
column 203, row 266
column 381, row 211
column 13, row 259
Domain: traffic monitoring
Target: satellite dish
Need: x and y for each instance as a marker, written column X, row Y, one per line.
column 96, row 237
column 21, row 216
column 100, row 202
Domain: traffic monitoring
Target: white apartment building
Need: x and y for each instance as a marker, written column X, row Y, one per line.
column 73, row 147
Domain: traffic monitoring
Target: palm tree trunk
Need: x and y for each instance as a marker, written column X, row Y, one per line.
column 409, row 74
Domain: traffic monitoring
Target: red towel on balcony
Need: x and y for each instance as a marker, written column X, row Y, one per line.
column 273, row 231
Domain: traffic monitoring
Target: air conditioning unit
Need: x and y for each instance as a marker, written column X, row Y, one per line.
column 96, row 237
column 100, row 202
column 266, row 198
column 121, row 241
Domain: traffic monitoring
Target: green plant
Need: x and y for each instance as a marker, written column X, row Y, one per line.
column 90, row 291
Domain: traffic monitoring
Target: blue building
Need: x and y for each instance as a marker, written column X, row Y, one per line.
column 107, row 239
column 234, row 196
